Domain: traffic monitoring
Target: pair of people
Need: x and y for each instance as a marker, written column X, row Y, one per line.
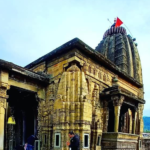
column 74, row 141
column 73, row 144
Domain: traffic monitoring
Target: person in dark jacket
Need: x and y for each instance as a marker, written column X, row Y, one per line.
column 30, row 142
column 74, row 141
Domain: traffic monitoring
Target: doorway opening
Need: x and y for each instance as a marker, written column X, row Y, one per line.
column 22, row 104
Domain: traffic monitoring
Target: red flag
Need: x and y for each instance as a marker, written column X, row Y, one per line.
column 118, row 22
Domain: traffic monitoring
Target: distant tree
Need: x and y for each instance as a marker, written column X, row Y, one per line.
column 146, row 131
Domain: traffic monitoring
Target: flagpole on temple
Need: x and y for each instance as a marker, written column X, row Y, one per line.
column 109, row 21
column 119, row 23
column 128, row 29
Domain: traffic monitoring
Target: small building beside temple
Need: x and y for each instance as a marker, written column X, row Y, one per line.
column 97, row 93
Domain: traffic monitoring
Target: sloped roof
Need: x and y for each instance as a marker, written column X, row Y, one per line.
column 23, row 71
column 93, row 54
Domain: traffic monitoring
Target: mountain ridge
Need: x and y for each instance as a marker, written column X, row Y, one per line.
column 146, row 120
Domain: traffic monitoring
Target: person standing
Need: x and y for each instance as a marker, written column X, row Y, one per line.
column 30, row 142
column 74, row 141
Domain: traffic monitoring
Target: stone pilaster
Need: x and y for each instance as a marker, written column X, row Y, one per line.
column 41, row 94
column 117, row 102
column 42, row 111
column 3, row 98
column 130, row 120
column 134, row 121
column 105, row 116
column 141, row 124
column 2, row 115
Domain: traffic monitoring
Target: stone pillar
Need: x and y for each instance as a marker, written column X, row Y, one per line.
column 3, row 97
column 134, row 121
column 130, row 120
column 141, row 124
column 2, row 114
column 117, row 102
column 117, row 115
column 42, row 111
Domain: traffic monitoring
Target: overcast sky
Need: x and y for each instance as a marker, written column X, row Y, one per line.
column 32, row 28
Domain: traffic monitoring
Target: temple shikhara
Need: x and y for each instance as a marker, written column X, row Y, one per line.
column 97, row 93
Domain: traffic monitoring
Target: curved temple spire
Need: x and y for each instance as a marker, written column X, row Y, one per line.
column 120, row 48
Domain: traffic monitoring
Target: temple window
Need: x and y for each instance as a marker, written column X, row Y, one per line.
column 107, row 78
column 99, row 141
column 86, row 140
column 89, row 69
column 99, row 75
column 37, row 144
column 88, row 85
column 45, row 139
column 104, row 77
column 94, row 71
column 57, row 139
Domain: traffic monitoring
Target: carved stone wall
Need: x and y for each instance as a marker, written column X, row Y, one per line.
column 72, row 101
column 66, row 108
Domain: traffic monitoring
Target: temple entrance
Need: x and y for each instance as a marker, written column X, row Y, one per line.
column 22, row 105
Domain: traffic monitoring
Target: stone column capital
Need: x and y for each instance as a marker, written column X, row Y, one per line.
column 3, row 94
column 40, row 94
column 117, row 100
column 4, row 85
column 105, row 103
column 3, row 102
column 135, row 109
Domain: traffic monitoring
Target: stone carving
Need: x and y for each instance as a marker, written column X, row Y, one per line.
column 73, row 68
column 85, row 67
column 104, row 77
column 2, row 92
column 3, row 102
column 100, row 75
column 117, row 100
column 105, row 103
column 89, row 69
column 105, row 119
column 3, row 97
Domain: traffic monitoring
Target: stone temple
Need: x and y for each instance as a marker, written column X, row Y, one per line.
column 97, row 93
